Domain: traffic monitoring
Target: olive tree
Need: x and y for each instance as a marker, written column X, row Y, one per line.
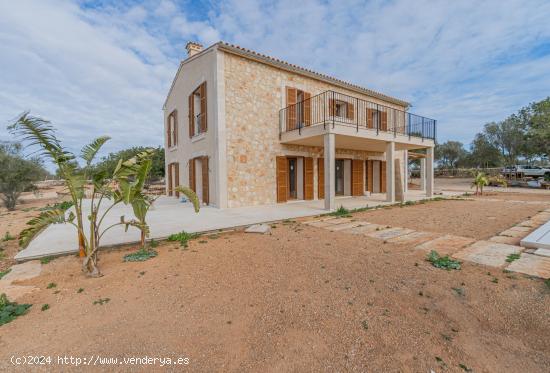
column 18, row 174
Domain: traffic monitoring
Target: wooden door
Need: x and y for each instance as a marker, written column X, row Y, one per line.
column 308, row 178
column 169, row 177
column 176, row 171
column 205, row 181
column 382, row 176
column 192, row 183
column 369, row 176
column 321, row 178
column 282, row 179
column 357, row 181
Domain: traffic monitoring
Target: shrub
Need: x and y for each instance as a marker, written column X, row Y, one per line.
column 341, row 212
column 183, row 237
column 442, row 262
column 11, row 310
column 141, row 255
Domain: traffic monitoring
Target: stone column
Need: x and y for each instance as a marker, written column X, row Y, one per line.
column 330, row 171
column 390, row 171
column 423, row 174
column 430, row 172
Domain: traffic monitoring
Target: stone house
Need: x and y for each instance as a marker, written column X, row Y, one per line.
column 243, row 129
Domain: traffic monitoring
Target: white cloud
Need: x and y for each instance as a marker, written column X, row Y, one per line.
column 106, row 70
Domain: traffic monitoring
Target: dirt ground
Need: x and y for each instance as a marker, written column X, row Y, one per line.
column 479, row 218
column 13, row 222
column 301, row 299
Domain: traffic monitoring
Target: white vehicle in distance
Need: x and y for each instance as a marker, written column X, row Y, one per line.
column 524, row 170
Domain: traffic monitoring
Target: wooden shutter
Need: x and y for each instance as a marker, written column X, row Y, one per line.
column 192, row 184
column 382, row 176
column 168, row 130
column 351, row 111
column 357, row 181
column 169, row 177
column 369, row 176
column 191, row 115
column 331, row 107
column 291, row 98
column 307, row 109
column 308, row 178
column 176, row 168
column 321, row 177
column 205, row 183
column 175, row 124
column 282, row 179
column 203, row 120
column 384, row 121
column 370, row 123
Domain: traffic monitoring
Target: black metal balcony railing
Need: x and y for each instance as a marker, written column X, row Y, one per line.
column 333, row 108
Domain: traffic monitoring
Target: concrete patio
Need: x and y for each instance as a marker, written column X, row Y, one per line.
column 169, row 216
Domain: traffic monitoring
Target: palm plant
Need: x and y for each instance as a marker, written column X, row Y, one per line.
column 122, row 186
column 480, row 180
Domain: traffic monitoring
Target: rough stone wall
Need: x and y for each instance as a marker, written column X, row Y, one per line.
column 254, row 94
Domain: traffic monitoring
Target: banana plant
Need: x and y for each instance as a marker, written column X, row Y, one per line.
column 480, row 180
column 122, row 187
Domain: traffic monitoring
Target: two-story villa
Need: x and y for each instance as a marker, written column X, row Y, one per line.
column 243, row 129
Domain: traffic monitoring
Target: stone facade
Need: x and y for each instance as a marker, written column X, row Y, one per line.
column 254, row 94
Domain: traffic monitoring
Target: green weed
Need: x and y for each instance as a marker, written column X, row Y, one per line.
column 443, row 262
column 510, row 258
column 11, row 310
column 141, row 255
column 183, row 237
column 3, row 273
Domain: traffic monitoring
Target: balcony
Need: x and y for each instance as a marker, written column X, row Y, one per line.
column 330, row 110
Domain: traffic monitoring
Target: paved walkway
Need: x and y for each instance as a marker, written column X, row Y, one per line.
column 171, row 216
column 494, row 252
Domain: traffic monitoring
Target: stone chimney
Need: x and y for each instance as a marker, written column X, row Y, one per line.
column 193, row 48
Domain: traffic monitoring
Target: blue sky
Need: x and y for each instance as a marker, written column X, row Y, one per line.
column 104, row 67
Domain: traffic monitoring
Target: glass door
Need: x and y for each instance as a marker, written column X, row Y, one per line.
column 292, row 176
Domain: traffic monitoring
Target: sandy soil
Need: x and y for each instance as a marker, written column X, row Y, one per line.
column 301, row 299
column 479, row 219
column 13, row 222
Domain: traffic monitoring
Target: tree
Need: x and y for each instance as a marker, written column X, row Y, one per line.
column 483, row 153
column 119, row 187
column 18, row 174
column 450, row 153
column 537, row 128
column 109, row 163
column 508, row 136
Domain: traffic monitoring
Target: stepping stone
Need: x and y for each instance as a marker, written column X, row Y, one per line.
column 446, row 244
column 505, row 239
column 533, row 265
column 516, row 232
column 341, row 227
column 542, row 252
column 23, row 271
column 541, row 217
column 319, row 222
column 414, row 238
column 488, row 253
column 337, row 221
column 258, row 228
column 386, row 234
column 529, row 223
column 366, row 228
